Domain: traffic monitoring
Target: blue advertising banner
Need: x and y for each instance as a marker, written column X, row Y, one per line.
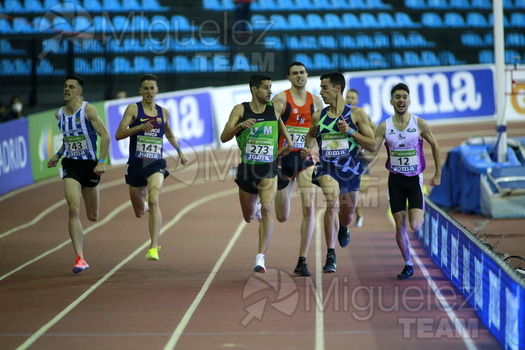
column 191, row 119
column 437, row 93
column 15, row 161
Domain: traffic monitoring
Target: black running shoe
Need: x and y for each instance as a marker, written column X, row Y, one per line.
column 330, row 265
column 406, row 273
column 302, row 269
column 343, row 236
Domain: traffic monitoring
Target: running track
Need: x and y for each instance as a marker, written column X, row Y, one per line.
column 202, row 294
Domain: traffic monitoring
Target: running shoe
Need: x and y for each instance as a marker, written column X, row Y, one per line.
column 330, row 265
column 259, row 264
column 302, row 269
column 153, row 254
column 343, row 236
column 406, row 273
column 359, row 222
column 80, row 265
column 258, row 213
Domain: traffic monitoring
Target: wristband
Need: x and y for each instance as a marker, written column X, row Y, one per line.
column 59, row 155
column 350, row 132
column 177, row 149
column 101, row 160
column 242, row 127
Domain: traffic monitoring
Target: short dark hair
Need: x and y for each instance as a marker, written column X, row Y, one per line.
column 353, row 90
column 257, row 79
column 77, row 78
column 336, row 78
column 145, row 77
column 296, row 63
column 399, row 86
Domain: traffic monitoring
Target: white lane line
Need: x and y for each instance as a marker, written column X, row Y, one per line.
column 465, row 336
column 139, row 250
column 110, row 216
column 319, row 310
column 48, row 210
column 172, row 342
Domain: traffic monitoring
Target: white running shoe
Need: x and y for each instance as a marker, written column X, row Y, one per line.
column 259, row 264
column 359, row 222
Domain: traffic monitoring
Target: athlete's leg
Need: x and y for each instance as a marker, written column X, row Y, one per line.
column 138, row 199
column 91, row 201
column 72, row 191
column 267, row 189
column 347, row 204
column 401, row 234
column 155, row 182
column 282, row 202
column 307, row 191
column 330, row 188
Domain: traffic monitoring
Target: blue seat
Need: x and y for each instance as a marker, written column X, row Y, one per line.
column 512, row 57
column 322, row 61
column 215, row 5
column 358, row 4
column 327, row 42
column 519, row 4
column 358, row 61
column 346, row 41
column 13, row 6
column 50, row 3
column 161, row 64
column 294, row 43
column 179, row 22
column 152, row 5
column 396, row 60
column 279, row 22
column 331, row 20
column 305, row 59
column 515, row 39
column 62, row 24
column 411, row 58
column 102, row 24
column 448, row 58
column 314, row 21
column 368, row 20
column 98, row 65
column 486, row 56
column 517, row 19
column 399, row 40
column 121, row 65
column 453, row 19
column 93, row 5
column 429, row 58
column 438, row 4
column 377, row 60
column 508, row 4
column 378, row 4
column 506, row 22
column 286, row 5
column 159, row 23
column 22, row 25
column 472, row 39
column 476, row 20
column 416, row 4
column 83, row 24
column 121, row 23
column 140, row 24
column 431, row 19
column 133, row 5
column 297, row 21
column 415, row 39
column 363, row 41
column 81, row 65
column 111, row 5
column 42, row 24
column 482, row 4
column 404, row 20
column 22, row 66
column 33, row 6
column 385, row 20
column 350, row 20
column 381, row 41
column 461, row 4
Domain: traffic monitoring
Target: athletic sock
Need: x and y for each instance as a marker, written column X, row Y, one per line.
column 409, row 262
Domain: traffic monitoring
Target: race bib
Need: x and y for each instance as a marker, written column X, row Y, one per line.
column 298, row 136
column 76, row 146
column 149, row 147
column 334, row 145
column 405, row 161
column 259, row 150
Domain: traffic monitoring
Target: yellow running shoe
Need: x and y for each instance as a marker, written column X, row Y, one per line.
column 153, row 254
